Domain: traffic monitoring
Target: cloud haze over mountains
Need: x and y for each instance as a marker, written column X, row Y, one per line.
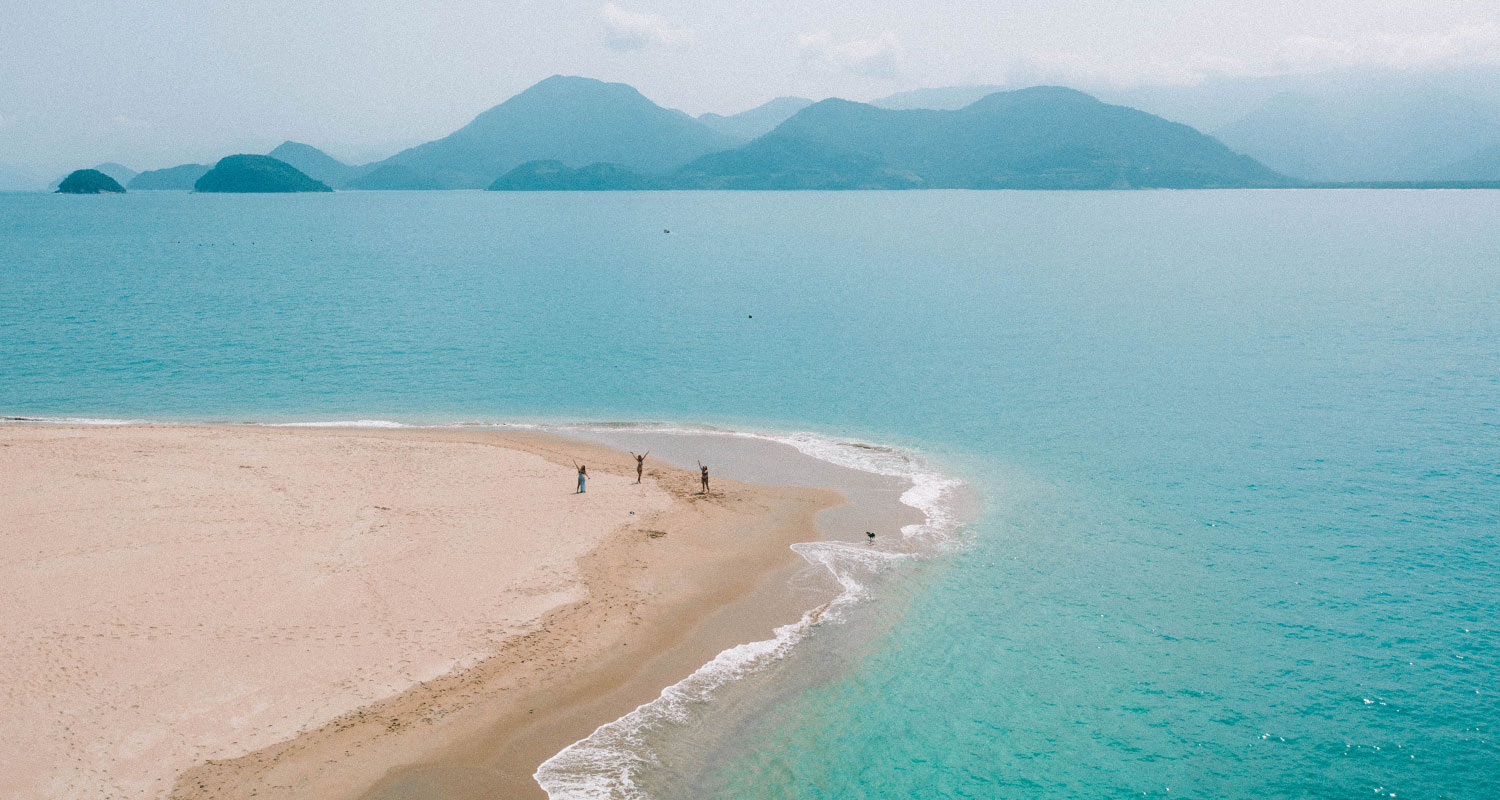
column 624, row 30
column 876, row 57
column 177, row 81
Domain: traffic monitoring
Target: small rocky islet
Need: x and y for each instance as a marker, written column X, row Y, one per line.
column 89, row 181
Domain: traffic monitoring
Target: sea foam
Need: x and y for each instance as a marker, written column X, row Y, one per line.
column 605, row 764
column 342, row 423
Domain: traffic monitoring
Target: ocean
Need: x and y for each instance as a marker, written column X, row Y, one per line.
column 1233, row 454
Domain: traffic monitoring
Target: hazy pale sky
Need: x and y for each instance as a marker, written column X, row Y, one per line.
column 151, row 83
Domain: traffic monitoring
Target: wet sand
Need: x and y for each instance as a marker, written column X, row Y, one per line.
column 303, row 612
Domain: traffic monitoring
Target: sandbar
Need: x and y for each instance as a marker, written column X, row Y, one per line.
column 256, row 611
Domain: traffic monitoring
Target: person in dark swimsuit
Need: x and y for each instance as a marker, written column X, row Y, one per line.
column 703, row 478
column 640, row 464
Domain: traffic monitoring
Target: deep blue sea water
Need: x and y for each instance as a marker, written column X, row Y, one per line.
column 1239, row 452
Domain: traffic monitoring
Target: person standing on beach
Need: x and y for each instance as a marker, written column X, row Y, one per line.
column 583, row 478
column 703, row 479
column 640, row 464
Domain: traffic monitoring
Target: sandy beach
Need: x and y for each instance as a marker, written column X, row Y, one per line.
column 237, row 611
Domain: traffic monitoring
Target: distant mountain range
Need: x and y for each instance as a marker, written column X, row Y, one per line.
column 1037, row 138
column 555, row 176
column 570, row 133
column 575, row 134
column 316, row 164
column 758, row 121
column 121, row 173
column 942, row 98
column 781, row 162
column 1368, row 136
column 1367, row 127
column 577, row 121
column 180, row 177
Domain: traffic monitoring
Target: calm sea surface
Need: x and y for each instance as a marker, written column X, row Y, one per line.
column 1238, row 452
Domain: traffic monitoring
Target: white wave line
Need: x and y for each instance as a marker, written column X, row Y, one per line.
column 603, row 765
column 344, row 423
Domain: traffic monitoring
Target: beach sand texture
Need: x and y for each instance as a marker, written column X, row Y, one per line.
column 236, row 611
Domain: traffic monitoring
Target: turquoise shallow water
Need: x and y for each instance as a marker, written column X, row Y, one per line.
column 1237, row 449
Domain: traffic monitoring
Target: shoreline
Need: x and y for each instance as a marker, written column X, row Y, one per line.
column 720, row 581
column 800, row 578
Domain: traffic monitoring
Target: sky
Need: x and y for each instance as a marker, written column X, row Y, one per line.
column 153, row 83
